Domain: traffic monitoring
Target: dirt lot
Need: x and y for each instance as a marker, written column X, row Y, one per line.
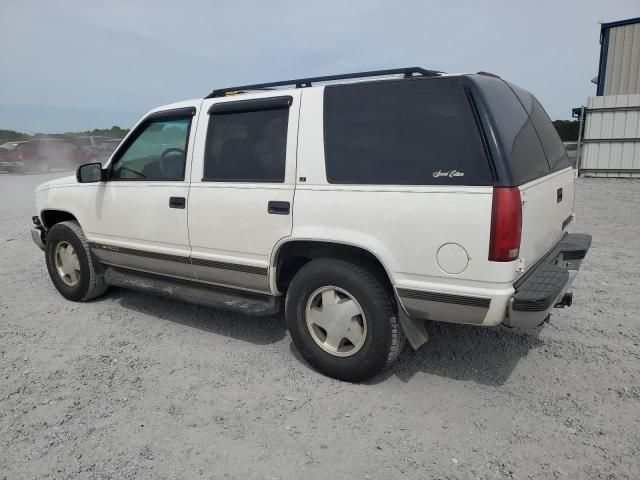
column 138, row 386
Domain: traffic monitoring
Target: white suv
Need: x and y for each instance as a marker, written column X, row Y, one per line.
column 363, row 207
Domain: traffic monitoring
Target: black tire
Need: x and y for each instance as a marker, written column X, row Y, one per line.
column 384, row 337
column 91, row 283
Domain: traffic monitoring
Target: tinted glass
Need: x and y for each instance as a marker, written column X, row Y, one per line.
column 551, row 142
column 419, row 132
column 157, row 153
column 526, row 156
column 247, row 146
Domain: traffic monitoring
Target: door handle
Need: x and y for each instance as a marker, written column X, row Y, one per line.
column 279, row 208
column 177, row 202
column 559, row 195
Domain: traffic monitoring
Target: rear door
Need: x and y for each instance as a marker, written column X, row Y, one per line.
column 243, row 181
column 562, row 175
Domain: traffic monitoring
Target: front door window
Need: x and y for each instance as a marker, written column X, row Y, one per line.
column 158, row 152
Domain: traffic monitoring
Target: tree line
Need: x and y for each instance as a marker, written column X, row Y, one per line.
column 13, row 136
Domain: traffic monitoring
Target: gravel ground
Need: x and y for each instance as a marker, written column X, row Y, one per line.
column 132, row 385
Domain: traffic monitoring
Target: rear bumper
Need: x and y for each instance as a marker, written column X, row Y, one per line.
column 11, row 164
column 544, row 285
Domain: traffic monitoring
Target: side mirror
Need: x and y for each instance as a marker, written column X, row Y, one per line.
column 91, row 172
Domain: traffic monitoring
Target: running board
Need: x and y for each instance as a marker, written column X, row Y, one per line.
column 254, row 305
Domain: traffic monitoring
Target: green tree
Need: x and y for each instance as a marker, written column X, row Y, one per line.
column 567, row 129
column 12, row 136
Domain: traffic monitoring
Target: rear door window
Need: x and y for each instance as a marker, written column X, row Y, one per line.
column 418, row 132
column 247, row 146
column 519, row 138
column 551, row 142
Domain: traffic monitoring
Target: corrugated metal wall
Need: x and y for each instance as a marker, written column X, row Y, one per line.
column 623, row 60
column 611, row 144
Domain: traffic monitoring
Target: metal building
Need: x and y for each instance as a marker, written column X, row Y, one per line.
column 611, row 143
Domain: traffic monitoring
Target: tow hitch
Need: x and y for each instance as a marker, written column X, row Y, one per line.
column 567, row 300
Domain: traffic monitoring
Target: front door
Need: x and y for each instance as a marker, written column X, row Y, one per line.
column 140, row 219
column 242, row 185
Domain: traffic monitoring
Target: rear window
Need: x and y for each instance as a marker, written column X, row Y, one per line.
column 551, row 142
column 419, row 132
column 519, row 138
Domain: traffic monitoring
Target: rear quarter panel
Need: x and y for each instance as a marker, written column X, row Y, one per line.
column 404, row 226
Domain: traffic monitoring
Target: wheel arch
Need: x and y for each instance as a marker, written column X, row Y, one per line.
column 51, row 216
column 290, row 255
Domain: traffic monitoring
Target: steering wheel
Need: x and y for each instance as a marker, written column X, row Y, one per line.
column 161, row 163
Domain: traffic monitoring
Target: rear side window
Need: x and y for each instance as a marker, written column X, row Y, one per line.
column 551, row 142
column 246, row 146
column 526, row 156
column 419, row 132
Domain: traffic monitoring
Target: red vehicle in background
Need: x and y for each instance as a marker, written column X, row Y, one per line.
column 43, row 154
column 9, row 160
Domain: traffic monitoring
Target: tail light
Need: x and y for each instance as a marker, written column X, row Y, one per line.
column 506, row 224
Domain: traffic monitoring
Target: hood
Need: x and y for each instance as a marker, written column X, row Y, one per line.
column 58, row 182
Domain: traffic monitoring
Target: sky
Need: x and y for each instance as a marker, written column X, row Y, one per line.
column 78, row 65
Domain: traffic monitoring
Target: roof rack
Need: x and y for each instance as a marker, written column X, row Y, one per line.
column 308, row 82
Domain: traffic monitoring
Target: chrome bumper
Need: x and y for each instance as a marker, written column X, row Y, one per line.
column 11, row 164
column 37, row 235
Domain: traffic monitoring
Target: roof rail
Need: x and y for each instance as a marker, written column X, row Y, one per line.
column 308, row 82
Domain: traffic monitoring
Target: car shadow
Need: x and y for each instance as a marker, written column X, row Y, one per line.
column 484, row 355
column 257, row 330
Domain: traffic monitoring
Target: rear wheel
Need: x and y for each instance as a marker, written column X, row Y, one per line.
column 73, row 270
column 341, row 318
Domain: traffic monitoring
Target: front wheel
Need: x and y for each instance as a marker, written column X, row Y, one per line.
column 73, row 270
column 341, row 318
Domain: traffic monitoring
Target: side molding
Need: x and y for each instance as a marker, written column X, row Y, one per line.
column 233, row 275
column 444, row 307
